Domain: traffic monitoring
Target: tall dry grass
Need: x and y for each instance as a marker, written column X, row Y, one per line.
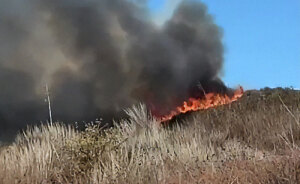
column 255, row 140
column 35, row 156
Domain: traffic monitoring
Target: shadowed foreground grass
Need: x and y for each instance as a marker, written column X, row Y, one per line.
column 255, row 140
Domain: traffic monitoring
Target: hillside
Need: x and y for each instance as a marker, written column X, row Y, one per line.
column 253, row 140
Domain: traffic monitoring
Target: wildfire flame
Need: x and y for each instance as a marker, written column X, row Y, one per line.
column 210, row 100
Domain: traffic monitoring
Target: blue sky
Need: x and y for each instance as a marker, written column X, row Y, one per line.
column 261, row 39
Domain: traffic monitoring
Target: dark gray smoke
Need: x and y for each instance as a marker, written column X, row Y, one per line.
column 99, row 57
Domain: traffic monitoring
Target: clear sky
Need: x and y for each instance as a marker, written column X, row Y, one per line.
column 261, row 39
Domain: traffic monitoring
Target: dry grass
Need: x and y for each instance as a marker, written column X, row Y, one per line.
column 35, row 157
column 255, row 140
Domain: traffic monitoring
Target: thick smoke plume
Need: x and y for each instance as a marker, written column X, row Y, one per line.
column 99, row 57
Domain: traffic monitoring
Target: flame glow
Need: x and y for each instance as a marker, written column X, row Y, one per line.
column 210, row 100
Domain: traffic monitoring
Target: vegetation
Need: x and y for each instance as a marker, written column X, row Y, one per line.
column 253, row 140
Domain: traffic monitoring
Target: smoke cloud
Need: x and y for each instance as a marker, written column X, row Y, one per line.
column 99, row 57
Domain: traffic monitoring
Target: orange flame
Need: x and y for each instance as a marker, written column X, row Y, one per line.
column 210, row 100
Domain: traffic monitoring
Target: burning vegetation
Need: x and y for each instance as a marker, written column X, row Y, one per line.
column 253, row 140
column 210, row 100
column 100, row 57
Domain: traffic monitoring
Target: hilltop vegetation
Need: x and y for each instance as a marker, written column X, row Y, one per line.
column 253, row 140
